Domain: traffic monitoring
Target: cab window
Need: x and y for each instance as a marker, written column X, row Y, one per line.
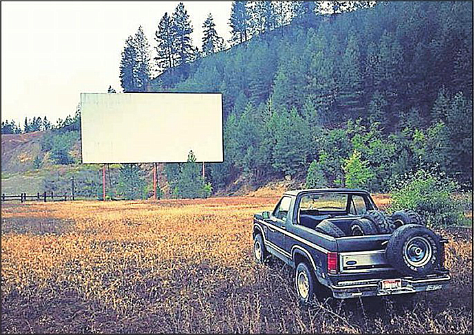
column 358, row 205
column 281, row 210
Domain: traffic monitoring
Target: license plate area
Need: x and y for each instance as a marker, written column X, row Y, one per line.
column 391, row 284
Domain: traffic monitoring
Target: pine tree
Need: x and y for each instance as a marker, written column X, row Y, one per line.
column 142, row 69
column 351, row 91
column 239, row 22
column 135, row 63
column 164, row 37
column 292, row 142
column 190, row 183
column 315, row 176
column 441, row 106
column 128, row 66
column 46, row 124
column 262, row 17
column 211, row 42
column 182, row 29
column 26, row 127
column 305, row 13
column 111, row 89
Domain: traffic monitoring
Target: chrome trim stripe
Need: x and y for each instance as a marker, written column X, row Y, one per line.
column 278, row 249
column 270, row 244
column 302, row 240
column 362, row 236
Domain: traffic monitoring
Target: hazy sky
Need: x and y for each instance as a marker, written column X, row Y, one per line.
column 53, row 51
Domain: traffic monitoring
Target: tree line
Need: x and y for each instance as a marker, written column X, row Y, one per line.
column 174, row 47
column 387, row 89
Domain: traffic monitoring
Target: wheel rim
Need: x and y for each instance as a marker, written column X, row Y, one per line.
column 418, row 251
column 257, row 248
column 303, row 284
column 398, row 223
column 357, row 231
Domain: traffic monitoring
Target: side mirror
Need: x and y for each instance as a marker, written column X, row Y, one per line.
column 266, row 215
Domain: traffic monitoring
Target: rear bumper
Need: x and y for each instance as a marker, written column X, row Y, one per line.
column 373, row 287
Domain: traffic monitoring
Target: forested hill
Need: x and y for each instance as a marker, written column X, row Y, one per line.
column 403, row 69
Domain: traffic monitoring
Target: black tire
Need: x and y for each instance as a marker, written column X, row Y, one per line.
column 329, row 228
column 414, row 250
column 401, row 218
column 305, row 283
column 381, row 221
column 259, row 251
column 361, row 227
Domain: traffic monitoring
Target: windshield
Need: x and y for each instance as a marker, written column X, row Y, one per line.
column 325, row 202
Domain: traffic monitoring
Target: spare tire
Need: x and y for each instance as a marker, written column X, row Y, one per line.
column 401, row 218
column 381, row 221
column 361, row 227
column 329, row 228
column 414, row 250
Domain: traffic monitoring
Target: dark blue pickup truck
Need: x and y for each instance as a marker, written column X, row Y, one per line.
column 338, row 239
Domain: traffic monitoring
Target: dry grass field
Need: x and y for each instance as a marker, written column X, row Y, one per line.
column 184, row 266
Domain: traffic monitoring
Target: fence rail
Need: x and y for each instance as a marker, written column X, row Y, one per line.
column 45, row 196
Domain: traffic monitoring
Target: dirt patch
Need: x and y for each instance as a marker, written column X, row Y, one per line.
column 35, row 225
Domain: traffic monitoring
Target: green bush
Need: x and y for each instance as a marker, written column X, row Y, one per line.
column 357, row 171
column 315, row 177
column 430, row 194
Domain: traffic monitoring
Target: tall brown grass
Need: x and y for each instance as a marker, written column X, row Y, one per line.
column 184, row 266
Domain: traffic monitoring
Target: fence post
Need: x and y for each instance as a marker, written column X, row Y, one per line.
column 44, row 195
column 73, row 188
column 52, row 196
column 38, row 195
column 3, row 196
column 21, row 197
column 64, row 196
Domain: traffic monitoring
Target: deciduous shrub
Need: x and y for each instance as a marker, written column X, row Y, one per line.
column 430, row 194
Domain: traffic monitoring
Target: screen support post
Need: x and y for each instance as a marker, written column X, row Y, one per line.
column 154, row 181
column 103, row 182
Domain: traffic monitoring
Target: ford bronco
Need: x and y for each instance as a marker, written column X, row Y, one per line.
column 338, row 240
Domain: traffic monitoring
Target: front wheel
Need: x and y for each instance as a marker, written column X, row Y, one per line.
column 259, row 252
column 305, row 283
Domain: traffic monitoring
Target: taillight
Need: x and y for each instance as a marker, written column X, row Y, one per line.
column 332, row 262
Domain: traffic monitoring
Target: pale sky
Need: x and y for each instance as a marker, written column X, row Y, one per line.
column 53, row 51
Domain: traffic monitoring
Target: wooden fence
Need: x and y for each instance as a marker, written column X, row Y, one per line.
column 45, row 196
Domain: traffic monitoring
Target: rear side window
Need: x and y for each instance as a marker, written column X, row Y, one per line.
column 281, row 211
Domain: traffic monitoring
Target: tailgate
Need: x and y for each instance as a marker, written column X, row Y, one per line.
column 362, row 253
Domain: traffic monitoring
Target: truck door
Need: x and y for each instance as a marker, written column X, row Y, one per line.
column 278, row 220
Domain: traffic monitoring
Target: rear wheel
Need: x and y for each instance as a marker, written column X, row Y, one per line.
column 259, row 251
column 305, row 283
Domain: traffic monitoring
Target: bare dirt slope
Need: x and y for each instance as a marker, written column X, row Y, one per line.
column 20, row 150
